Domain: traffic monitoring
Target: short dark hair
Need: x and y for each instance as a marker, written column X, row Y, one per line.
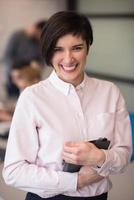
column 40, row 24
column 60, row 24
column 20, row 64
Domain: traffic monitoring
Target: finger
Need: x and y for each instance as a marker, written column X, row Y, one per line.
column 71, row 150
column 70, row 161
column 70, row 158
column 71, row 144
column 67, row 155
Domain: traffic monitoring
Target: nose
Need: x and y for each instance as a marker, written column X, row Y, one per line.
column 68, row 57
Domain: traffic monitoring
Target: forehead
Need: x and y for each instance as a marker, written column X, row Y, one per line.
column 70, row 39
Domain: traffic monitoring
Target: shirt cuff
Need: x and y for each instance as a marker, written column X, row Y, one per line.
column 68, row 181
column 103, row 170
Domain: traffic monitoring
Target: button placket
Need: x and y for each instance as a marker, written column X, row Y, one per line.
column 79, row 115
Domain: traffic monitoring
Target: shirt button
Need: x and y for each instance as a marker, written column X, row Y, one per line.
column 79, row 114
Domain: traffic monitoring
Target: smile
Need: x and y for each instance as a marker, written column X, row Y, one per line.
column 69, row 68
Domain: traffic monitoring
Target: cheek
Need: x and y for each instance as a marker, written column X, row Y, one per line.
column 55, row 59
column 55, row 62
column 82, row 58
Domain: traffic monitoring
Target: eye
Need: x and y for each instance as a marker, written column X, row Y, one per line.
column 77, row 48
column 58, row 49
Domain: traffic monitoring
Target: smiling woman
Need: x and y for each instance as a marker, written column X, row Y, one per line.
column 74, row 24
column 59, row 117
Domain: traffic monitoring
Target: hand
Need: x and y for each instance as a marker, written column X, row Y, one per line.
column 87, row 176
column 83, row 153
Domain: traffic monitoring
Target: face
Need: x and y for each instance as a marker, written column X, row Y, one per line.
column 18, row 79
column 69, row 58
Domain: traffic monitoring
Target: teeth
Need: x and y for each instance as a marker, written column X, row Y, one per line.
column 69, row 68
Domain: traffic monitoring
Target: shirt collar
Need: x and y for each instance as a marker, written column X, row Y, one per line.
column 82, row 84
column 63, row 86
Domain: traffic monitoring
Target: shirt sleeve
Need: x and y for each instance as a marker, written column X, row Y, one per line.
column 119, row 154
column 20, row 168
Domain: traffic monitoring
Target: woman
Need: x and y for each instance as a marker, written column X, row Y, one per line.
column 55, row 119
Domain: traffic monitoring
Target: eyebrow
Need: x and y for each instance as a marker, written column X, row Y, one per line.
column 80, row 45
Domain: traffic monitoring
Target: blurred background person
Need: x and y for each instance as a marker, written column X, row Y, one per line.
column 23, row 74
column 23, row 45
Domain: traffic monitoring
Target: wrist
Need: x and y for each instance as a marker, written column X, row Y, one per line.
column 82, row 180
column 101, row 158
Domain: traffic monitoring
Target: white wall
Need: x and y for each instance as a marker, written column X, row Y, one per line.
column 113, row 47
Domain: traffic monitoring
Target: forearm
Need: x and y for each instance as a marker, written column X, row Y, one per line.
column 39, row 180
